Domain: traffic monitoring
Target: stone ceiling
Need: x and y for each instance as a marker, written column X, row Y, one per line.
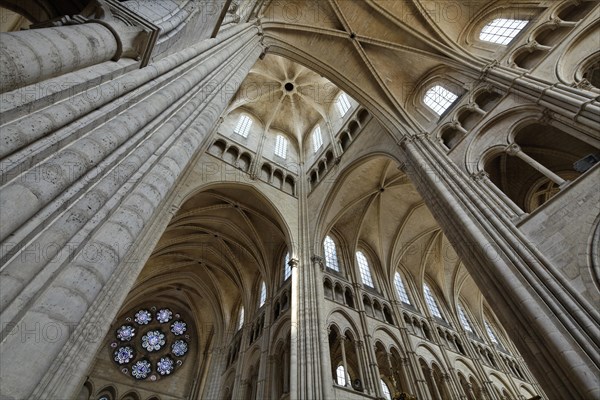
column 285, row 96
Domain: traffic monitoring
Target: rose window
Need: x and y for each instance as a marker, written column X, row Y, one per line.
column 150, row 344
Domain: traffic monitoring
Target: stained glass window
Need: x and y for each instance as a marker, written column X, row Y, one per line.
column 343, row 104
column 342, row 376
column 464, row 321
column 317, row 139
column 431, row 303
column 281, row 145
column 386, row 390
column 400, row 289
column 287, row 269
column 365, row 271
column 490, row 332
column 150, row 344
column 263, row 294
column 241, row 319
column 331, row 259
column 243, row 126
column 439, row 99
column 502, row 30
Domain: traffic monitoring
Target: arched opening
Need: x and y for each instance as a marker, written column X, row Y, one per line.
column 534, row 171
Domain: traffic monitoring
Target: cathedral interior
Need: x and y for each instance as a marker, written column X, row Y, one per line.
column 300, row 199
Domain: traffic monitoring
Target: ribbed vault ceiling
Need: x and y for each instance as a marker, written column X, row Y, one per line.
column 285, row 96
column 376, row 205
column 226, row 240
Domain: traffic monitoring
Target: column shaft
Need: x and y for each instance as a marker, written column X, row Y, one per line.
column 96, row 287
column 31, row 56
column 556, row 320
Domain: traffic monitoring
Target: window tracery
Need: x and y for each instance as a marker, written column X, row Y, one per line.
column 431, row 302
column 400, row 289
column 281, row 145
column 490, row 332
column 365, row 271
column 147, row 346
column 343, row 104
column 243, row 126
column 263, row 294
column 464, row 320
column 317, row 139
column 502, row 30
column 287, row 269
column 331, row 259
column 439, row 99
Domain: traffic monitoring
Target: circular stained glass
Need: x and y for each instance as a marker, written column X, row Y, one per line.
column 153, row 340
column 179, row 348
column 165, row 366
column 123, row 355
column 164, row 315
column 178, row 327
column 143, row 317
column 125, row 333
column 150, row 343
column 141, row 369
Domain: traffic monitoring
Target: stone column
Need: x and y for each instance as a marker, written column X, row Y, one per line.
column 265, row 363
column 470, row 394
column 115, row 219
column 33, row 55
column 546, row 316
column 318, row 264
column 515, row 150
column 575, row 104
column 436, row 390
column 360, row 359
column 498, row 196
column 344, row 363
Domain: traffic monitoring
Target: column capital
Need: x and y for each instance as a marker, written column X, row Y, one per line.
column 486, row 69
column 318, row 260
column 512, row 149
column 293, row 263
column 547, row 116
column 480, row 175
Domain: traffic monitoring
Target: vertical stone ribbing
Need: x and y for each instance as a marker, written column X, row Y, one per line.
column 84, row 292
column 550, row 330
column 33, row 55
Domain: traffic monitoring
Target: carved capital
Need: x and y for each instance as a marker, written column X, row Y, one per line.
column 532, row 46
column 583, row 84
column 480, row 175
column 486, row 70
column 316, row 259
column 547, row 116
column 293, row 263
column 512, row 149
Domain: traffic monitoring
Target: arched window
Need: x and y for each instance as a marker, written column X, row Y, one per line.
column 287, row 269
column 241, row 318
column 263, row 294
column 243, row 126
column 490, row 332
column 400, row 289
column 365, row 271
column 343, row 104
column 439, row 99
column 342, row 376
column 386, row 390
column 331, row 259
column 317, row 139
column 502, row 30
column 281, row 145
column 431, row 303
column 464, row 321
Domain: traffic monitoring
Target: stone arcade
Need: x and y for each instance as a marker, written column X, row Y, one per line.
column 299, row 199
